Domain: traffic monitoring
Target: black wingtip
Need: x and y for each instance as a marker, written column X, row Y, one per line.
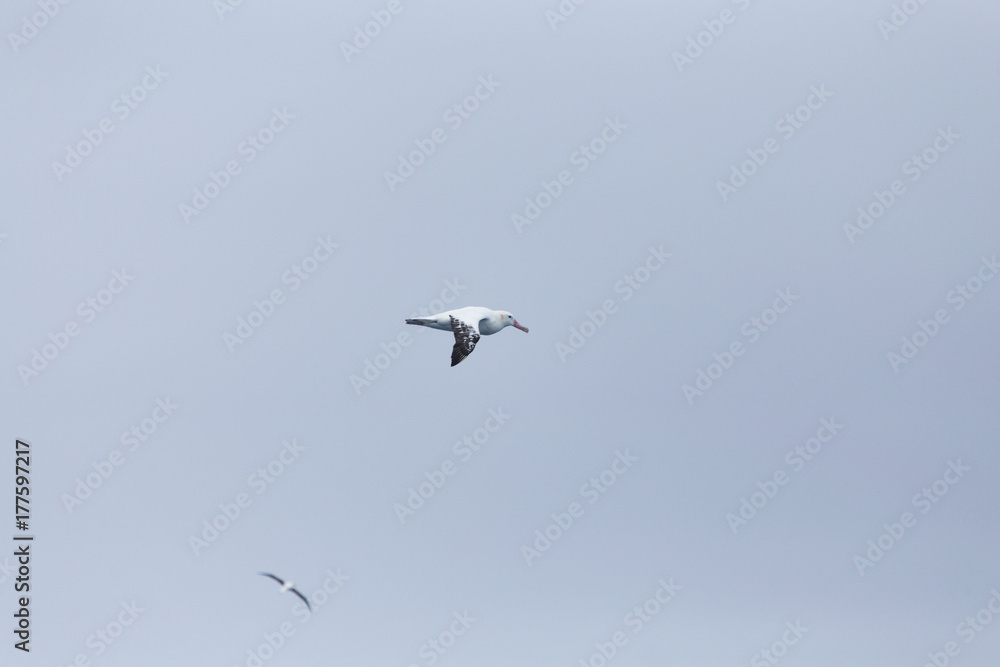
column 303, row 598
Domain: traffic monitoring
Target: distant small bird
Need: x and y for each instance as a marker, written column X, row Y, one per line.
column 467, row 324
column 287, row 586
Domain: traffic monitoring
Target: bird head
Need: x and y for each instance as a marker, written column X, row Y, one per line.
column 508, row 320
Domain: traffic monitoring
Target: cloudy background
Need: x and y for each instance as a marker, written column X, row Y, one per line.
column 575, row 402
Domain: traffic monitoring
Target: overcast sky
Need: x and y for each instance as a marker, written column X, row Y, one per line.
column 755, row 244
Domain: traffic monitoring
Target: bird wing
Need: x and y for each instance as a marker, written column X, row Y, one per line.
column 466, row 337
column 268, row 574
column 302, row 597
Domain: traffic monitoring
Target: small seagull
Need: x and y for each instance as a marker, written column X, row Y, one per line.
column 468, row 324
column 287, row 586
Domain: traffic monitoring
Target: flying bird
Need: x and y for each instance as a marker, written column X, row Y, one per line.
column 287, row 586
column 468, row 324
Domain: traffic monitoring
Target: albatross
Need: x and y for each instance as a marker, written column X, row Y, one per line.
column 468, row 324
column 287, row 586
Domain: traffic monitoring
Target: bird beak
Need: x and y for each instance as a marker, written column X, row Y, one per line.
column 520, row 326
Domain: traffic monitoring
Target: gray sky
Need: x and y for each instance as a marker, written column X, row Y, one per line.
column 715, row 410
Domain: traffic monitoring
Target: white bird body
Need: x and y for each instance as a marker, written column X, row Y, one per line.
column 287, row 586
column 468, row 324
column 484, row 320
